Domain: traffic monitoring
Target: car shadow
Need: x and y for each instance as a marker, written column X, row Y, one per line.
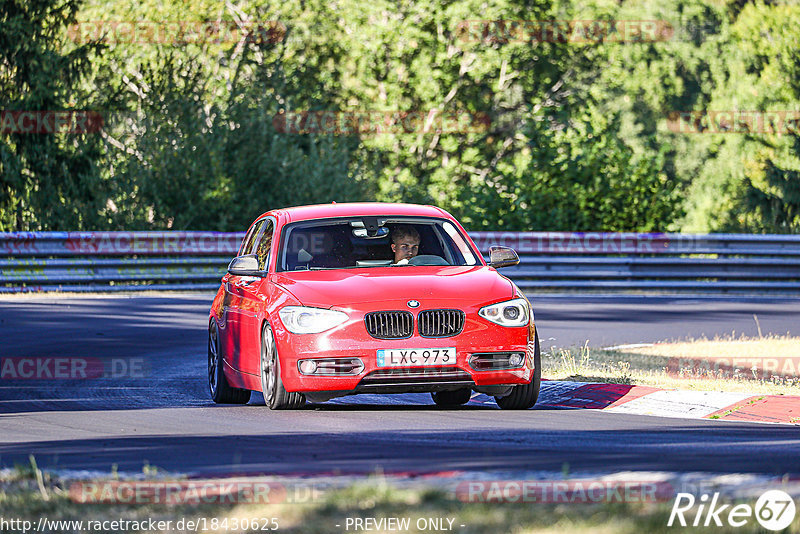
column 619, row 444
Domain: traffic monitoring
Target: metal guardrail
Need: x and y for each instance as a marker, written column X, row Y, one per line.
column 114, row 261
column 550, row 261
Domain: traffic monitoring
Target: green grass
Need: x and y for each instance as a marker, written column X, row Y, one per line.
column 22, row 497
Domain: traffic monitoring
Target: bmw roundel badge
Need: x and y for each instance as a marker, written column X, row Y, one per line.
column 413, row 304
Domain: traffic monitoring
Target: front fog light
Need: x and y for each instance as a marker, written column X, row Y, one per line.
column 496, row 361
column 515, row 360
column 307, row 367
column 331, row 366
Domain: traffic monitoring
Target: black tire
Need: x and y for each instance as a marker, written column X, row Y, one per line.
column 221, row 391
column 275, row 395
column 452, row 398
column 525, row 396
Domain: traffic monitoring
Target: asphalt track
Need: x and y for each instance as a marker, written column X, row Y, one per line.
column 162, row 416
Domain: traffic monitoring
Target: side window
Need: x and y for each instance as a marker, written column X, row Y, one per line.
column 469, row 258
column 247, row 244
column 265, row 245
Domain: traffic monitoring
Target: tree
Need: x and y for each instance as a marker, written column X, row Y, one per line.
column 46, row 180
column 751, row 182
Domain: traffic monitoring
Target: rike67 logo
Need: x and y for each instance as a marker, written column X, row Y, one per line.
column 774, row 510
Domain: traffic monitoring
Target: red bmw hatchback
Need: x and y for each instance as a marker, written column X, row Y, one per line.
column 339, row 299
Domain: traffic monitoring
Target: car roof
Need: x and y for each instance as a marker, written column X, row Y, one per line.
column 350, row 209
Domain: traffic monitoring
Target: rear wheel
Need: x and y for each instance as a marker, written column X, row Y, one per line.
column 221, row 391
column 452, row 398
column 525, row 396
column 275, row 395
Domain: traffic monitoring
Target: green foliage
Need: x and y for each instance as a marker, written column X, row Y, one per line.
column 577, row 138
column 550, row 159
column 195, row 146
column 46, row 181
column 765, row 189
column 744, row 57
column 580, row 178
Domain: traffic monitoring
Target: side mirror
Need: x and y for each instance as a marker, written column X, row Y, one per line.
column 246, row 265
column 502, row 257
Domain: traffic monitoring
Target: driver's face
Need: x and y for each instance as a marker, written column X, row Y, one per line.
column 405, row 248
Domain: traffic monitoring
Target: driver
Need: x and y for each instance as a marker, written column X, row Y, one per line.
column 405, row 243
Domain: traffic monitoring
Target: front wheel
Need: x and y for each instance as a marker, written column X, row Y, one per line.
column 525, row 396
column 275, row 395
column 221, row 391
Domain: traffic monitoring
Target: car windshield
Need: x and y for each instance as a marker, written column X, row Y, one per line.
column 372, row 242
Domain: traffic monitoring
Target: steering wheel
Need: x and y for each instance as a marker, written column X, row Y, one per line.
column 427, row 259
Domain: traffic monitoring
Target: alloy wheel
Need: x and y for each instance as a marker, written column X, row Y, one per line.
column 213, row 358
column 268, row 365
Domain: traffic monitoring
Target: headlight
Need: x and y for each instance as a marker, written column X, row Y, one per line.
column 512, row 312
column 303, row 320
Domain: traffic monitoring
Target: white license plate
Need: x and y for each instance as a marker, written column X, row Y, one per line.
column 411, row 357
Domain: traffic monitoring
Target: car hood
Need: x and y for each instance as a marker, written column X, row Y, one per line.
column 388, row 285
